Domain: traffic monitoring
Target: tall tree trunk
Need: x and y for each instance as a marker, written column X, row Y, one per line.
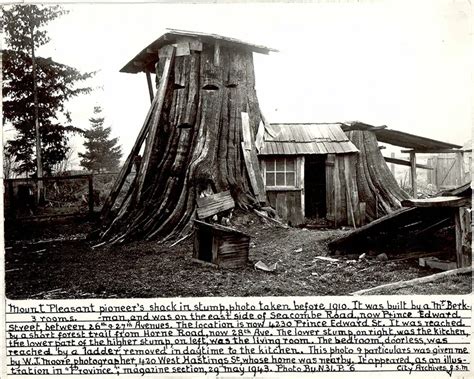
column 39, row 163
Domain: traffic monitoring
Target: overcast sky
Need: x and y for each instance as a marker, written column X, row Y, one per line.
column 403, row 64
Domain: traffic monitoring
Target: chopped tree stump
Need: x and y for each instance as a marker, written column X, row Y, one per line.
column 204, row 109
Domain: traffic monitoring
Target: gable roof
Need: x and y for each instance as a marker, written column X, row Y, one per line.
column 305, row 138
column 149, row 55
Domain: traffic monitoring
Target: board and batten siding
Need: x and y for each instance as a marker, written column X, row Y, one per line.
column 288, row 201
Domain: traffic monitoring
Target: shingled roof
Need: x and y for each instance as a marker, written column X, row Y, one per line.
column 301, row 139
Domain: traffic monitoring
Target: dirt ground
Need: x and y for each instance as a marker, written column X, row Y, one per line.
column 57, row 261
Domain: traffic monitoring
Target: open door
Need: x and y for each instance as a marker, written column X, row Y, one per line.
column 315, row 186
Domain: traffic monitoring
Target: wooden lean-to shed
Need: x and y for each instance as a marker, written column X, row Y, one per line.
column 220, row 245
column 309, row 173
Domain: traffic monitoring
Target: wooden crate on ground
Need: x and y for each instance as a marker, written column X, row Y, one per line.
column 220, row 245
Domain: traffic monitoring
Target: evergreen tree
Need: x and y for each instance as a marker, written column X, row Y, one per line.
column 35, row 90
column 101, row 154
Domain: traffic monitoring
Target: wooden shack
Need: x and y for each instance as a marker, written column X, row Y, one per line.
column 220, row 245
column 309, row 173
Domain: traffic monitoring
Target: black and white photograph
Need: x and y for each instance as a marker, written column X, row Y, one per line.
column 238, row 189
column 237, row 150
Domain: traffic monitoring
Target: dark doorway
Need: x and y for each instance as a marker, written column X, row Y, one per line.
column 204, row 244
column 315, row 186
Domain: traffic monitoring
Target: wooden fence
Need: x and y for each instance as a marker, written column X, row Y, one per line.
column 64, row 196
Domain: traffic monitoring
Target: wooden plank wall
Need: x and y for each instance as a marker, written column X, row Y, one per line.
column 211, row 205
column 446, row 171
column 342, row 196
column 288, row 202
column 330, row 191
column 225, row 249
column 463, row 231
column 232, row 251
column 287, row 205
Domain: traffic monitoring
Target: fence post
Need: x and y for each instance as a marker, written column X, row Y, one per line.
column 91, row 194
column 12, row 210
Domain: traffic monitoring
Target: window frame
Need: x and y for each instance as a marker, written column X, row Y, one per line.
column 270, row 167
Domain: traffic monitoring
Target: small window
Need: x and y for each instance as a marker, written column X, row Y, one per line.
column 280, row 172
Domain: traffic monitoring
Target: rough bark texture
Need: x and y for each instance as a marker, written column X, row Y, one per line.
column 377, row 186
column 197, row 147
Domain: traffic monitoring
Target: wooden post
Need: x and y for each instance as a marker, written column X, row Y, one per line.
column 413, row 174
column 459, row 168
column 150, row 87
column 300, row 162
column 463, row 232
column 12, row 200
column 392, row 165
column 91, row 194
column 330, row 195
column 39, row 161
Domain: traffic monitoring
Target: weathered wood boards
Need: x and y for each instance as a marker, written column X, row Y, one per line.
column 288, row 205
column 342, row 195
column 168, row 53
column 422, row 218
column 440, row 201
column 127, row 166
column 210, row 205
column 220, row 245
column 436, row 263
column 463, row 219
column 414, row 190
column 396, row 231
column 404, row 162
column 251, row 160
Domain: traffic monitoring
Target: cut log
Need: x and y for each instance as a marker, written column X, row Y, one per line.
column 407, row 283
column 441, row 201
column 437, row 263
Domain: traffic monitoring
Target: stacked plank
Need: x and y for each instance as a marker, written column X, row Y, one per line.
column 194, row 144
column 377, row 187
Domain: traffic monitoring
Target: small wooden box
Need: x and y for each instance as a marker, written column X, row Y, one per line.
column 220, row 245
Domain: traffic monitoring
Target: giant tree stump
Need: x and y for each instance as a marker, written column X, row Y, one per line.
column 194, row 136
